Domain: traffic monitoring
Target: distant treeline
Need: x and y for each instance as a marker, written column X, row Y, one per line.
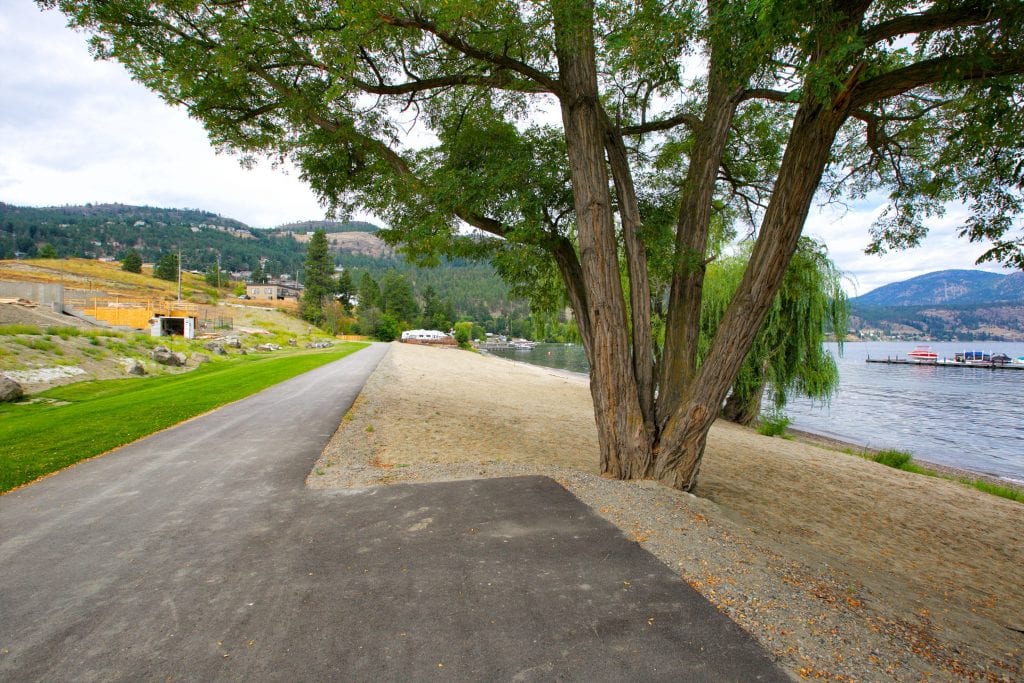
column 472, row 288
column 110, row 230
column 963, row 322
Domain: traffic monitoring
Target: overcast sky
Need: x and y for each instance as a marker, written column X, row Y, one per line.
column 73, row 130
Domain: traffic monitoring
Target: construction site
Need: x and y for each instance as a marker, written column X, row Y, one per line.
column 160, row 318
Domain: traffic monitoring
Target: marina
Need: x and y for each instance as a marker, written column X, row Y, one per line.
column 947, row 362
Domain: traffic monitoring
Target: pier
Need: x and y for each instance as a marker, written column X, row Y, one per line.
column 948, row 363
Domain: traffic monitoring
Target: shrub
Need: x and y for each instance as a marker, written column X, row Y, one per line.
column 773, row 425
column 132, row 262
column 387, row 329
column 463, row 333
column 893, row 458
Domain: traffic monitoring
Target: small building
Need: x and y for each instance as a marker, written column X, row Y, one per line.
column 173, row 325
column 273, row 291
column 426, row 337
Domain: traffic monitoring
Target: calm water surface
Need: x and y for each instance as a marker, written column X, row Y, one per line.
column 971, row 418
column 963, row 417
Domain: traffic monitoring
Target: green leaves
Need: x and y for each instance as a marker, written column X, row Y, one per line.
column 787, row 357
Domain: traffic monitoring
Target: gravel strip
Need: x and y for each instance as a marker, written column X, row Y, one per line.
column 816, row 620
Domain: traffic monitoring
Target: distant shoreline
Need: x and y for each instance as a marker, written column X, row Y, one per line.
column 832, row 443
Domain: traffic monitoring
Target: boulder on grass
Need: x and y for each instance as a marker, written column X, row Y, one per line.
column 233, row 342
column 164, row 356
column 215, row 347
column 200, row 358
column 134, row 367
column 10, row 390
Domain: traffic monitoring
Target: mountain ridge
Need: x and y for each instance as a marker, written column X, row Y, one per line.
column 960, row 305
column 948, row 287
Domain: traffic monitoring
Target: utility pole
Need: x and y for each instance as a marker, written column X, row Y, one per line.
column 218, row 271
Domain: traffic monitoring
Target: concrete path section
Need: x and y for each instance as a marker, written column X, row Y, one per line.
column 198, row 555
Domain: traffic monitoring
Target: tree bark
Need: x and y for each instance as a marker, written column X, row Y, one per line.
column 639, row 281
column 682, row 328
column 624, row 442
column 807, row 153
column 743, row 409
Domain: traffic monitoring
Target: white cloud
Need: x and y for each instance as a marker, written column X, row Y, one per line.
column 74, row 130
column 846, row 232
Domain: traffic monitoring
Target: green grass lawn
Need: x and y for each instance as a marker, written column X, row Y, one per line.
column 89, row 418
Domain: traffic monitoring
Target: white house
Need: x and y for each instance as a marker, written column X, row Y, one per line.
column 425, row 336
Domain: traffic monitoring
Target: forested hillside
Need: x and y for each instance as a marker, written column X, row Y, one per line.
column 960, row 305
column 110, row 230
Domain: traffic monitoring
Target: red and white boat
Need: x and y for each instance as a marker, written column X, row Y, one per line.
column 923, row 353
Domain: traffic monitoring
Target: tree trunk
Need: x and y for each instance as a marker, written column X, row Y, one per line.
column 741, row 408
column 624, row 439
column 639, row 281
column 682, row 328
column 681, row 448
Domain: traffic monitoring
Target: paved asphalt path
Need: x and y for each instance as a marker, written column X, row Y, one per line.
column 198, row 555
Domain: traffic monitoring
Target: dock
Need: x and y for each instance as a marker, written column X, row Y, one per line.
column 947, row 363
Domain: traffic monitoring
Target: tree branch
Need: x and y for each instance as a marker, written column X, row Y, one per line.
column 499, row 81
column 392, row 158
column 547, row 82
column 662, row 124
column 933, row 71
column 772, row 95
column 970, row 14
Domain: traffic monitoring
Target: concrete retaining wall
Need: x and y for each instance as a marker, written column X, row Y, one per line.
column 43, row 294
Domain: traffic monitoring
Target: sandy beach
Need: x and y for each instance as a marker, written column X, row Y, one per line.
column 842, row 568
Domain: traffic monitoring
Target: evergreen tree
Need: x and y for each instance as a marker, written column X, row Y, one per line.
column 434, row 316
column 47, row 251
column 213, row 276
column 319, row 271
column 132, row 262
column 167, row 267
column 397, row 298
column 345, row 289
column 259, row 277
column 369, row 292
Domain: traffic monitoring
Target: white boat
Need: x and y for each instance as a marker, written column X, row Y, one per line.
column 923, row 353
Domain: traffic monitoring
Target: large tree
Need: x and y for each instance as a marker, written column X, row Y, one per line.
column 397, row 298
column 319, row 278
column 167, row 267
column 673, row 119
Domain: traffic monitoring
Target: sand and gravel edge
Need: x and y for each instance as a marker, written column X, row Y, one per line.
column 820, row 617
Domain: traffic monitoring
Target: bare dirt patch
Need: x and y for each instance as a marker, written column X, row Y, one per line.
column 842, row 568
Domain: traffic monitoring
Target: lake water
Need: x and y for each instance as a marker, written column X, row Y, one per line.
column 972, row 418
